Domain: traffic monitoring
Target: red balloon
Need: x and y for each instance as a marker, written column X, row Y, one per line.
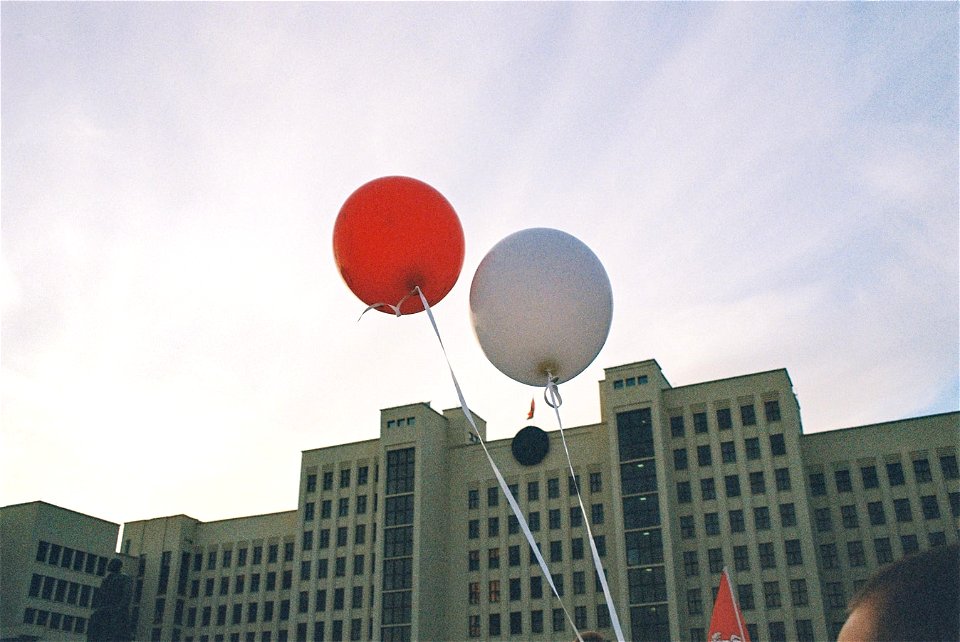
column 393, row 234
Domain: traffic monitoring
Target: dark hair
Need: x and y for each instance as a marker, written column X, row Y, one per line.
column 916, row 598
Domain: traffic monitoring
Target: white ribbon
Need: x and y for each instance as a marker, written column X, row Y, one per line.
column 552, row 396
column 496, row 471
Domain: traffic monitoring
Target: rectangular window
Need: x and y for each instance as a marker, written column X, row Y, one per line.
column 741, row 558
column 788, row 515
column 641, row 511
column 823, row 520
column 761, row 518
column 493, row 594
column 473, row 561
column 493, row 558
column 513, row 555
column 573, row 484
column 901, row 508
column 868, row 475
column 635, row 434
column 533, row 521
column 704, row 456
column 884, row 551
column 771, row 410
column 691, row 565
column 596, row 482
column 676, row 426
column 728, row 452
column 680, row 459
column 644, row 547
column 737, row 522
column 596, row 513
column 345, row 478
column 493, row 497
column 930, row 507
column 493, row 527
column 400, row 471
column 700, row 422
column 818, row 484
column 473, row 592
column 798, row 592
column 553, row 488
column 778, row 446
column 711, row 523
column 473, row 626
column 895, row 473
column 516, row 623
column 688, row 529
column 855, row 554
column 715, row 559
column 758, row 485
column 752, row 447
column 909, row 544
column 556, row 551
column 745, row 596
column 876, row 514
column 921, row 470
column 684, row 496
column 948, row 465
column 533, row 491
column 771, row 595
column 473, row 499
column 842, row 478
column 724, row 421
column 536, row 587
column 848, row 513
column 768, row 558
column 793, row 552
column 554, row 518
column 694, row 602
column 732, row 485
column 782, row 477
column 708, row 489
column 748, row 416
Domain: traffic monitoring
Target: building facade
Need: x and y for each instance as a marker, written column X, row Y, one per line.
column 52, row 561
column 409, row 536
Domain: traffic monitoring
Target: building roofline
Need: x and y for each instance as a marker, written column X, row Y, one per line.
column 69, row 510
column 231, row 519
column 742, row 376
column 349, row 443
column 881, row 423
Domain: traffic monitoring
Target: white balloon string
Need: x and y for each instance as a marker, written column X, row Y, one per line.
column 554, row 402
column 395, row 308
column 496, row 471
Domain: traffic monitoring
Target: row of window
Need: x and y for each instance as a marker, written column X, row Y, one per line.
column 54, row 620
column 554, row 520
column 226, row 556
column 724, row 418
column 777, row 632
column 577, row 552
column 70, row 558
column 869, row 478
column 342, row 534
column 343, row 507
column 630, row 382
column 515, row 587
column 883, row 549
column 264, row 611
column 533, row 490
column 359, row 567
column 728, row 452
column 60, row 590
column 737, row 522
column 766, row 555
column 363, row 477
column 732, row 487
column 515, row 621
column 877, row 514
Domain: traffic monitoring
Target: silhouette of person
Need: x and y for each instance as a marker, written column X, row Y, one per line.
column 916, row 598
column 110, row 620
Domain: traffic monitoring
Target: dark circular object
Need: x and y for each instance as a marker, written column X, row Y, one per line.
column 530, row 446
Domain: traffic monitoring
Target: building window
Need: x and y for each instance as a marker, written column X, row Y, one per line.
column 676, row 426
column 688, row 528
column 895, row 473
column 513, row 555
column 855, row 554
column 818, row 484
column 868, row 474
column 573, row 485
column 798, row 592
column 691, row 565
column 684, row 496
column 842, row 478
column 771, row 595
column 493, row 527
column 767, row 556
column 737, row 522
column 516, row 623
column 559, row 623
column 473, row 499
column 757, row 484
column 829, row 556
column 741, row 558
column 554, row 518
column 909, row 544
column 921, row 470
column 596, row 513
column 848, row 514
column 493, row 558
column 493, row 595
column 761, row 518
column 793, row 552
column 771, row 410
column 556, row 551
column 748, row 416
column 728, row 452
column 704, row 457
column 473, row 529
column 930, row 507
column 823, row 519
column 788, row 515
column 473, row 592
column 553, row 488
column 724, row 422
column 778, row 446
column 711, row 523
column 533, row 521
column 680, row 459
column 876, row 514
column 641, row 511
column 473, row 626
column 533, row 491
column 884, row 551
column 745, row 596
column 325, row 509
column 782, row 477
column 536, row 587
column 714, row 560
column 473, row 561
column 901, row 508
column 708, row 489
column 493, row 497
column 400, row 471
column 948, row 465
column 644, row 547
column 700, row 422
column 596, row 482
column 732, row 485
column 694, row 602
column 345, row 478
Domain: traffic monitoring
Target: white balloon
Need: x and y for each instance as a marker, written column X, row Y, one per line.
column 541, row 304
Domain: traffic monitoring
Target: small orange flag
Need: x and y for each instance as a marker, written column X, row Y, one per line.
column 530, row 414
column 726, row 624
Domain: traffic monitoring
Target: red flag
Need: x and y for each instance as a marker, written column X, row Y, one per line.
column 726, row 624
column 530, row 414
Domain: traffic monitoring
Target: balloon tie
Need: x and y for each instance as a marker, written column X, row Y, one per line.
column 395, row 308
column 551, row 394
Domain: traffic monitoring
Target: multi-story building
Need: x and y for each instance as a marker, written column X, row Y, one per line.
column 52, row 561
column 409, row 536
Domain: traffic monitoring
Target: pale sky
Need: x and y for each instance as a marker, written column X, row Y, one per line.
column 767, row 185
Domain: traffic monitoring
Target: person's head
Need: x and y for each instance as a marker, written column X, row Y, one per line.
column 115, row 565
column 916, row 598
